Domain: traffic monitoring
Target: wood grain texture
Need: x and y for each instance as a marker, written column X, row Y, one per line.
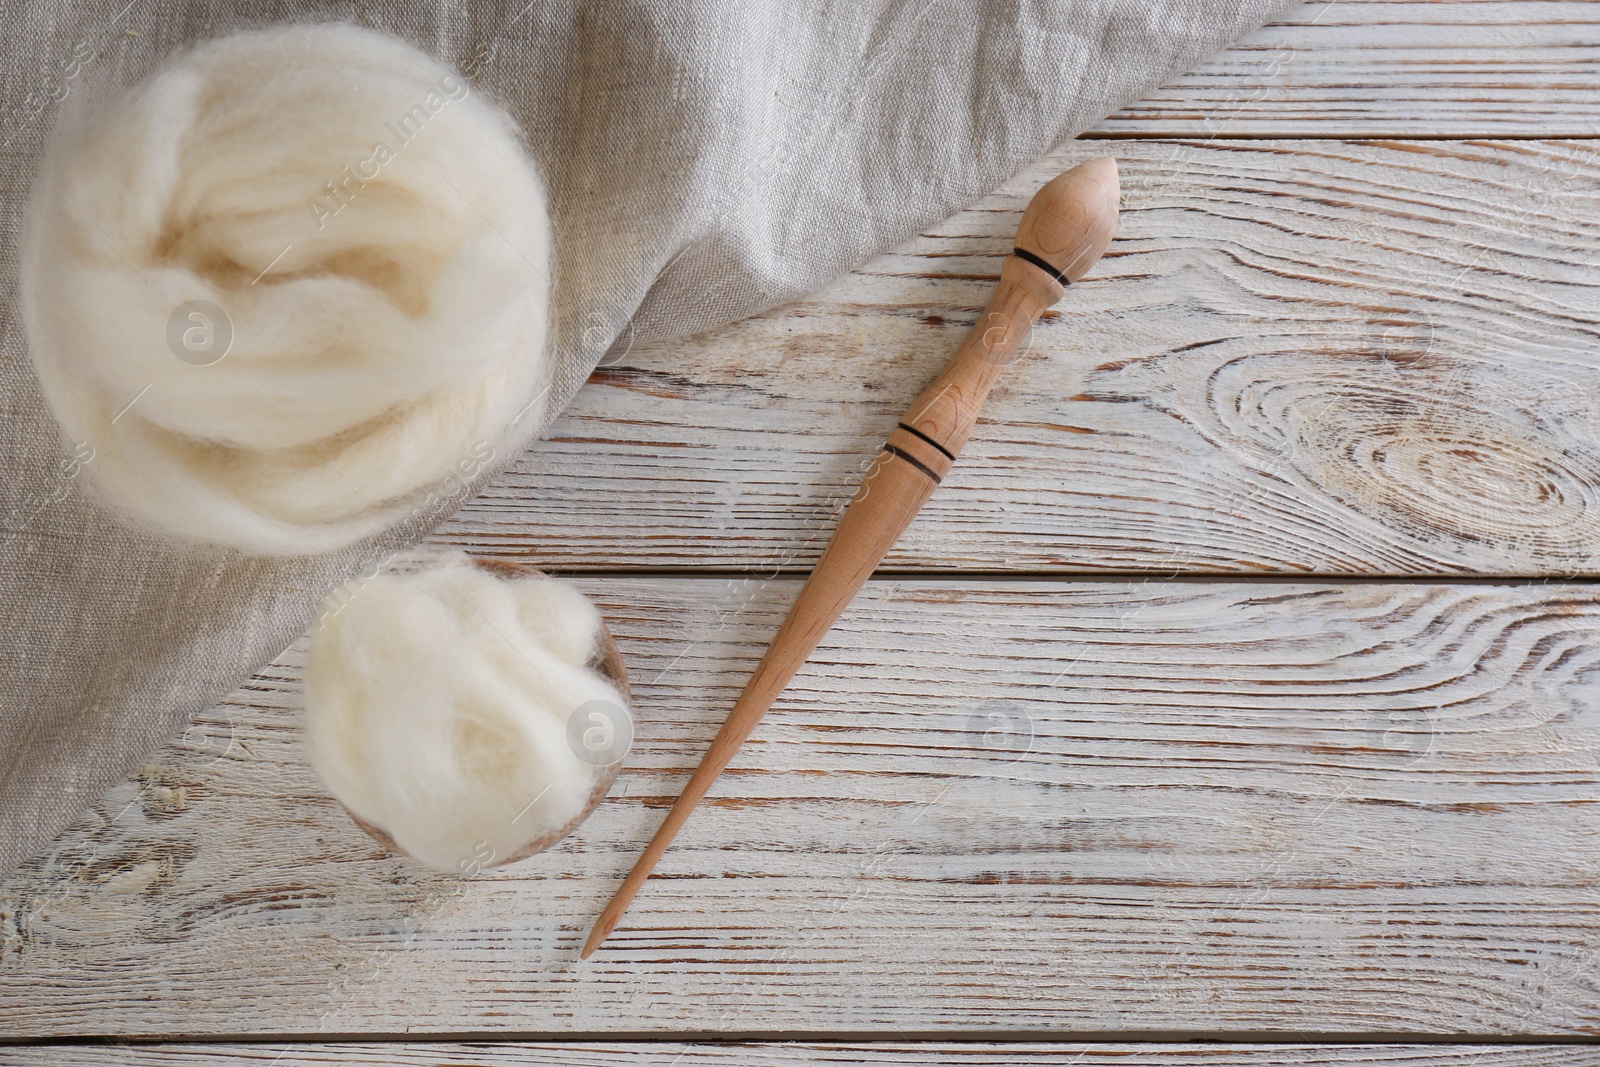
column 745, row 1054
column 1442, row 68
column 1324, row 357
column 1002, row 806
column 1020, row 805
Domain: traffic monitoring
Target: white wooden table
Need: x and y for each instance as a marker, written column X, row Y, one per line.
column 1242, row 683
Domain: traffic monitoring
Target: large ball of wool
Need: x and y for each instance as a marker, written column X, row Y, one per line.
column 289, row 288
column 461, row 715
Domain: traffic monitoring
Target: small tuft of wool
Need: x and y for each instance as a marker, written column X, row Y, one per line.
column 460, row 714
column 290, row 288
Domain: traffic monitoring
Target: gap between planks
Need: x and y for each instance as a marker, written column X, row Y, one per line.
column 1132, row 1038
column 1081, row 577
column 899, row 1051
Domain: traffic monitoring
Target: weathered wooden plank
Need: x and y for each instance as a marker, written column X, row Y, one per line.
column 750, row 1054
column 1327, row 357
column 1457, row 68
column 1001, row 806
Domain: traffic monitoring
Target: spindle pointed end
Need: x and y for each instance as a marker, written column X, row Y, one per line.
column 602, row 930
column 1070, row 221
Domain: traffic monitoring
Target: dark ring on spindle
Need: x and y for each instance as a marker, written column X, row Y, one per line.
column 1023, row 253
column 914, row 461
column 918, row 433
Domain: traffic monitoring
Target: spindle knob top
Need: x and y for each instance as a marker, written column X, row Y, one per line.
column 1069, row 222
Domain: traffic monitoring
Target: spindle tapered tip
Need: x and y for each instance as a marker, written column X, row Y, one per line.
column 602, row 930
column 1070, row 220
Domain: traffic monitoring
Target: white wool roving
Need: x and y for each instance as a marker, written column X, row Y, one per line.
column 456, row 711
column 289, row 288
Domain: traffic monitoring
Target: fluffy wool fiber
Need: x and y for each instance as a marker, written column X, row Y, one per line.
column 378, row 244
column 439, row 709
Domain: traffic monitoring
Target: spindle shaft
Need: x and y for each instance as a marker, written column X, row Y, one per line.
column 1065, row 229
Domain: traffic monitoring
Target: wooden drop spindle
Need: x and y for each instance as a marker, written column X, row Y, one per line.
column 1067, row 226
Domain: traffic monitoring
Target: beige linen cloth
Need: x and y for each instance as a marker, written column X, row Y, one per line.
column 706, row 159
